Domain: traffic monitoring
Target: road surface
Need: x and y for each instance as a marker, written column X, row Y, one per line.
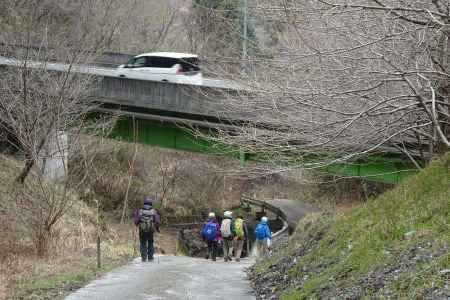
column 171, row 277
column 179, row 277
column 294, row 210
column 112, row 72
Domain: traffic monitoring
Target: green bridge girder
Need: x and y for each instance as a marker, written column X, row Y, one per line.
column 382, row 168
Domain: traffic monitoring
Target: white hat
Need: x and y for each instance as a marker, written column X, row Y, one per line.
column 264, row 219
column 211, row 215
column 227, row 214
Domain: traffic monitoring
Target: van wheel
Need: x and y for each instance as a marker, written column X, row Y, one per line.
column 165, row 80
column 122, row 76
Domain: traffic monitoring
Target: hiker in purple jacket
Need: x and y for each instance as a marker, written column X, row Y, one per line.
column 211, row 235
column 147, row 219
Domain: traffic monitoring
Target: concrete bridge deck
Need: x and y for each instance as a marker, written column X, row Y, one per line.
column 203, row 105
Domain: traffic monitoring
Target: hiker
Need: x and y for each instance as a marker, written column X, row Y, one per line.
column 211, row 235
column 241, row 235
column 227, row 232
column 263, row 237
column 148, row 221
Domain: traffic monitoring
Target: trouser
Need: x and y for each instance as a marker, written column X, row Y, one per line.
column 238, row 245
column 227, row 247
column 261, row 248
column 146, row 242
column 212, row 249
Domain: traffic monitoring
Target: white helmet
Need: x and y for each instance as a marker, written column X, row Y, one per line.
column 211, row 215
column 264, row 219
column 227, row 214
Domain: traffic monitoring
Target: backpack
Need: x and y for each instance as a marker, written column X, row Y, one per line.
column 210, row 231
column 239, row 227
column 225, row 228
column 147, row 223
column 260, row 232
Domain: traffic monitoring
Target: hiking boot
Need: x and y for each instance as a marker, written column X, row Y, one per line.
column 143, row 259
column 150, row 259
column 229, row 258
column 207, row 256
column 214, row 259
column 238, row 259
column 225, row 259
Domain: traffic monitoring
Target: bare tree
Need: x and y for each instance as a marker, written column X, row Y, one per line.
column 36, row 105
column 153, row 27
column 131, row 167
column 168, row 175
column 347, row 78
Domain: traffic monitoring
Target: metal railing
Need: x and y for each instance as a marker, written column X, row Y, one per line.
column 104, row 59
column 281, row 234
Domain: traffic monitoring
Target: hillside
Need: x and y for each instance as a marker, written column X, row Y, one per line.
column 395, row 246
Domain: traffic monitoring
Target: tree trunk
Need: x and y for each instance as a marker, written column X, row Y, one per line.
column 42, row 243
column 29, row 163
column 444, row 93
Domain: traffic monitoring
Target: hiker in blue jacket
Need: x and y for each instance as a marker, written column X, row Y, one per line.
column 211, row 235
column 263, row 237
column 148, row 221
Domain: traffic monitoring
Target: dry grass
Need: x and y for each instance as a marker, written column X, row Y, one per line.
column 71, row 261
column 322, row 191
column 203, row 182
column 72, row 257
column 69, row 266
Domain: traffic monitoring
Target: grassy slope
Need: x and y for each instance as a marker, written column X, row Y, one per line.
column 340, row 251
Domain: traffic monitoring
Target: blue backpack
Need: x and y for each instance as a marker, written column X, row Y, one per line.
column 260, row 231
column 210, row 231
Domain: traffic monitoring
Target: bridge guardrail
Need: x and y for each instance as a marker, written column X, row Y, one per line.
column 112, row 59
column 281, row 234
column 105, row 59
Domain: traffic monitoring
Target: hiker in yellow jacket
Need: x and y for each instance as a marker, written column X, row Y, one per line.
column 241, row 235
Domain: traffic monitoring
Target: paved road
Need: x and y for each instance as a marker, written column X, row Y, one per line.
column 171, row 277
column 178, row 277
column 111, row 72
column 293, row 209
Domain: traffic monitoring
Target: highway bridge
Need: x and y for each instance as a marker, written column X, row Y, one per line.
column 157, row 109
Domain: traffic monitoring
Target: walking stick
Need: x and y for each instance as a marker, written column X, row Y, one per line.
column 135, row 229
column 248, row 247
column 134, row 241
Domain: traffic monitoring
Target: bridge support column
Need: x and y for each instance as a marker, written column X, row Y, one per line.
column 53, row 160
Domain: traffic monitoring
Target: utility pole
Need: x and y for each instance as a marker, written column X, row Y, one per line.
column 244, row 43
column 99, row 249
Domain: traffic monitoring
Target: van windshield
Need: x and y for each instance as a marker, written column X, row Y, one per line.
column 190, row 64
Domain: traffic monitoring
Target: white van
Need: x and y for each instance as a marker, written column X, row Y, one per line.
column 163, row 66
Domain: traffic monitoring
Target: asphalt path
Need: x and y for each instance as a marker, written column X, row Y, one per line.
column 171, row 277
column 294, row 210
column 181, row 277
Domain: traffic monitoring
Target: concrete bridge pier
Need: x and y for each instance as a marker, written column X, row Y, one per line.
column 53, row 158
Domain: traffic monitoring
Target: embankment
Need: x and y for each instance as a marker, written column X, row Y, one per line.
column 395, row 246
